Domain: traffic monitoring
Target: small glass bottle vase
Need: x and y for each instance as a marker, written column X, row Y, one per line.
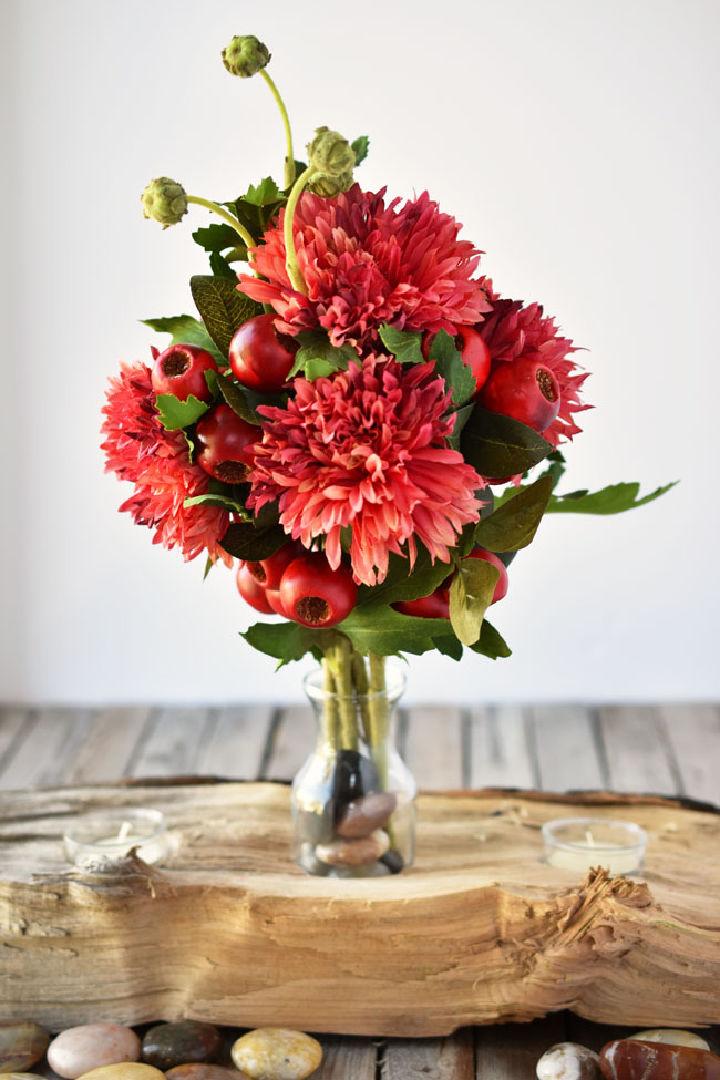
column 353, row 801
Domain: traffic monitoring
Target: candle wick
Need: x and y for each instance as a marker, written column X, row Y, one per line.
column 125, row 830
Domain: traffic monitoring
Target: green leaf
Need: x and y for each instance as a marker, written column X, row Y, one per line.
column 461, row 418
column 514, row 524
column 471, row 594
column 317, row 358
column 247, row 541
column 288, row 641
column 175, row 414
column 222, row 307
column 386, row 632
column 403, row 344
column 360, row 147
column 216, row 237
column 449, row 363
column 221, row 267
column 234, row 396
column 209, row 563
column 498, row 446
column 186, row 330
column 614, row 499
column 216, row 498
column 266, row 193
column 449, row 646
column 402, row 583
column 491, row 643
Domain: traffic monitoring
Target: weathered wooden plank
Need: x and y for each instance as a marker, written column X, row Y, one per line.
column 430, row 1059
column 500, row 751
column 637, row 752
column 567, row 751
column 15, row 723
column 434, row 747
column 235, row 746
column 54, row 736
column 292, row 740
column 347, row 1059
column 108, row 745
column 172, row 745
column 511, row 1051
column 693, row 732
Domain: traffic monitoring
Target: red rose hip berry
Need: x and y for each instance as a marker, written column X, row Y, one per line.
column 226, row 444
column 267, row 572
column 501, row 587
column 526, row 390
column 314, row 594
column 476, row 355
column 252, row 593
column 180, row 370
column 260, row 359
column 434, row 606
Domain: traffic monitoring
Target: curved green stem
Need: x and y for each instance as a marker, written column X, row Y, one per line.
column 289, row 155
column 228, row 218
column 291, row 263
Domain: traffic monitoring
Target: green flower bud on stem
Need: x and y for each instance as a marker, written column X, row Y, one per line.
column 165, row 201
column 330, row 154
column 245, row 56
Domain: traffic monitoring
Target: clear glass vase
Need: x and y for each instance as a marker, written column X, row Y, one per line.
column 353, row 801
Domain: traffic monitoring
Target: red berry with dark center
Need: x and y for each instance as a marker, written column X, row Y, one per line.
column 251, row 592
column 226, row 444
column 267, row 572
column 314, row 594
column 490, row 557
column 180, row 370
column 259, row 357
column 476, row 355
column 434, row 606
column 273, row 598
column 526, row 390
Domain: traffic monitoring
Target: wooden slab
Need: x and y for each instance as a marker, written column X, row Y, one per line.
column 480, row 930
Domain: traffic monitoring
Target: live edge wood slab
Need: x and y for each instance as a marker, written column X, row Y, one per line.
column 479, row 931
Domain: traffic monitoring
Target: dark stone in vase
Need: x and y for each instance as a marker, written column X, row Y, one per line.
column 184, row 1042
column 355, row 776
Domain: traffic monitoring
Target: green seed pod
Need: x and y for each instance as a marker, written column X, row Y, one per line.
column 165, row 201
column 245, row 56
column 330, row 154
column 327, row 186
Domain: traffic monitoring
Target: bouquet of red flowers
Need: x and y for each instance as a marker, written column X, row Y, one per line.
column 354, row 418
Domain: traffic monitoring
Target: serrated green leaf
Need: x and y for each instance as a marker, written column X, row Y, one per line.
column 471, row 594
column 458, row 377
column 514, row 524
column 491, row 643
column 461, row 418
column 266, row 193
column 317, row 358
column 288, row 641
column 402, row 583
column 216, row 498
column 221, row 267
column 235, row 397
column 360, row 147
column 175, row 414
column 386, row 632
column 403, row 344
column 222, row 307
column 498, row 446
column 614, row 499
column 216, row 237
column 186, row 330
column 449, row 646
column 247, row 541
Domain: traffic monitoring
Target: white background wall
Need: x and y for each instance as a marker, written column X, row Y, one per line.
column 578, row 143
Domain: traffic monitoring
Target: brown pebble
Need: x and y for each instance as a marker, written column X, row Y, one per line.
column 22, row 1043
column 179, row 1043
column 354, row 852
column 630, row 1059
column 367, row 814
column 204, row 1072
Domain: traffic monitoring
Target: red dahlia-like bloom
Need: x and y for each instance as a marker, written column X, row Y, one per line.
column 365, row 264
column 366, row 449
column 512, row 330
column 139, row 449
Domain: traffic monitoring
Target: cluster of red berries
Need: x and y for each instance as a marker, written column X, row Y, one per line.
column 437, row 604
column 298, row 585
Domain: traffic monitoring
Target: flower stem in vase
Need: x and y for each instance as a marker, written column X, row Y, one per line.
column 349, row 735
column 329, row 716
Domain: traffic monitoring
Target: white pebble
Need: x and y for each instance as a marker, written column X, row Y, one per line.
column 568, row 1061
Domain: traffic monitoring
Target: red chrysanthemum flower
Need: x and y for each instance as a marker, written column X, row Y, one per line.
column 512, row 330
column 364, row 264
column 139, row 449
column 366, row 450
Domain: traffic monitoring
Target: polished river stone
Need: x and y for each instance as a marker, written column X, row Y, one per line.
column 22, row 1043
column 180, row 1043
column 80, row 1049
column 277, row 1054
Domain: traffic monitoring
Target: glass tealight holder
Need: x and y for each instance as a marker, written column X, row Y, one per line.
column 107, row 837
column 584, row 842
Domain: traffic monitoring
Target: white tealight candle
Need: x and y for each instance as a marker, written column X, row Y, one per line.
column 581, row 843
column 106, row 838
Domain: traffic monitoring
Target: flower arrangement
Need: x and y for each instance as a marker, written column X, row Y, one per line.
column 356, row 417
